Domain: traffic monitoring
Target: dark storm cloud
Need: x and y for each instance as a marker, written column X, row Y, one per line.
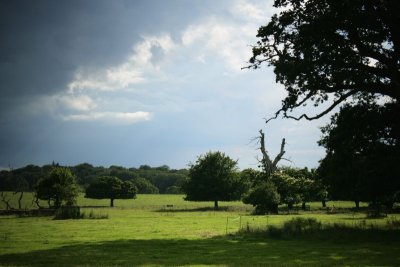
column 43, row 42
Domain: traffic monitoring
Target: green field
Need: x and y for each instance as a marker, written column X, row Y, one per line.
column 145, row 232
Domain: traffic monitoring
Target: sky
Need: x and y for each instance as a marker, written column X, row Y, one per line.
column 140, row 82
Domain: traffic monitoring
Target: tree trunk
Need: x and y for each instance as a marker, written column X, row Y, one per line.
column 57, row 203
column 20, row 200
column 290, row 206
column 215, row 204
column 357, row 204
column 36, row 200
column 269, row 165
column 112, row 202
column 303, row 206
column 323, row 203
column 6, row 201
column 274, row 209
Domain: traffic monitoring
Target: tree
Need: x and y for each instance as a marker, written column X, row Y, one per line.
column 262, row 188
column 144, row 186
column 362, row 143
column 213, row 177
column 341, row 50
column 309, row 186
column 270, row 166
column 111, row 187
column 59, row 187
column 288, row 188
column 323, row 49
column 264, row 197
column 173, row 190
column 249, row 177
column 19, row 185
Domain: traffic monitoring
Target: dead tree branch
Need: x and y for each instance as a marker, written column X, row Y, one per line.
column 269, row 165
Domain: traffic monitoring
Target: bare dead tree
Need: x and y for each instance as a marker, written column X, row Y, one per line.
column 5, row 200
column 269, row 165
column 21, row 194
column 36, row 201
column 18, row 184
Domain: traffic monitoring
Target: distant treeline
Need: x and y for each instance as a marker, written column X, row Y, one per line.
column 148, row 180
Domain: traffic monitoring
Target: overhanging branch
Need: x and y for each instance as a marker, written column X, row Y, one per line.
column 337, row 102
column 305, row 116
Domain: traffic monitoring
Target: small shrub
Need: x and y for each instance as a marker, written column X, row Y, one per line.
column 376, row 210
column 274, row 231
column 393, row 223
column 295, row 227
column 301, row 225
column 93, row 215
column 361, row 225
column 68, row 212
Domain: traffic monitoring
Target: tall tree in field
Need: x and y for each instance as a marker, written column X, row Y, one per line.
column 336, row 52
column 214, row 177
column 112, row 188
column 329, row 49
column 363, row 151
column 59, row 187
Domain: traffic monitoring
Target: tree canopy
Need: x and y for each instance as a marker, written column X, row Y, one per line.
column 362, row 143
column 111, row 187
column 148, row 180
column 323, row 49
column 264, row 197
column 214, row 177
column 58, row 187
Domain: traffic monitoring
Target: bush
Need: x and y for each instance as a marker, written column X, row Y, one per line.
column 274, row 231
column 68, row 212
column 393, row 223
column 295, row 227
column 264, row 198
column 376, row 210
column 93, row 215
column 301, row 226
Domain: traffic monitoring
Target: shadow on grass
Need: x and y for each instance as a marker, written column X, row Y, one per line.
column 235, row 250
column 95, row 207
column 166, row 209
column 204, row 209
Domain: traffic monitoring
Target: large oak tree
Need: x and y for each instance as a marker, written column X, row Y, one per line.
column 323, row 49
column 342, row 52
column 214, row 177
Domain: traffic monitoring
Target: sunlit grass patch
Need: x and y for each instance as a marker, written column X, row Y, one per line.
column 146, row 232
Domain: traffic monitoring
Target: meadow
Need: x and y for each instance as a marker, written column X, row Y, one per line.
column 145, row 232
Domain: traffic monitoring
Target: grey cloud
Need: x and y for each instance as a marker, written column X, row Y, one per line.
column 45, row 41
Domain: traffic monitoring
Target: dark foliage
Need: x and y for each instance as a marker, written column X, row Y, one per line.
column 328, row 48
column 363, row 151
column 112, row 188
column 58, row 187
column 264, row 197
column 148, row 180
column 213, row 177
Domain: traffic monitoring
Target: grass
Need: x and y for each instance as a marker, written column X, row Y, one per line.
column 145, row 232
